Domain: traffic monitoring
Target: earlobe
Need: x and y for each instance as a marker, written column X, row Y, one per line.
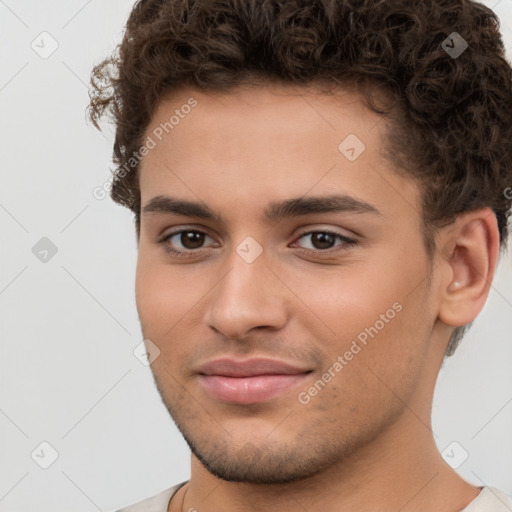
column 470, row 266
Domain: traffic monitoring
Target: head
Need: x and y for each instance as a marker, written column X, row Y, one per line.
column 321, row 183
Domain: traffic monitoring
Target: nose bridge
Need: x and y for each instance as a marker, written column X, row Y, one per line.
column 248, row 295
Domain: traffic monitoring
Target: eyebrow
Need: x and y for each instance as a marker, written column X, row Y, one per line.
column 275, row 211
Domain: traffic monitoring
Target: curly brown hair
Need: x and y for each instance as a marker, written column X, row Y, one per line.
column 453, row 129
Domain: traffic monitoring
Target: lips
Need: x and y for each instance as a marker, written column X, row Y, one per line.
column 250, row 381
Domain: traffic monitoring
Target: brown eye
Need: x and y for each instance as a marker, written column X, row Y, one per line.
column 191, row 239
column 185, row 241
column 324, row 240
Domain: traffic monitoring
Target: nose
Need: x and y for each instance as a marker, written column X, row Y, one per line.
column 248, row 296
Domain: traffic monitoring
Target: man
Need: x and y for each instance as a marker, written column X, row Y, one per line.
column 318, row 189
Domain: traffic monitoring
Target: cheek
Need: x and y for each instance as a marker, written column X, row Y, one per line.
column 167, row 297
column 348, row 301
column 379, row 305
column 373, row 364
column 156, row 295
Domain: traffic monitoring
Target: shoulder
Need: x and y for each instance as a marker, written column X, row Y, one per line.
column 490, row 499
column 157, row 503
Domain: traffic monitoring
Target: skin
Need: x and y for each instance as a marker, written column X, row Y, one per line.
column 364, row 442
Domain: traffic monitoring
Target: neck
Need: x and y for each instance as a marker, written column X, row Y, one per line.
column 401, row 470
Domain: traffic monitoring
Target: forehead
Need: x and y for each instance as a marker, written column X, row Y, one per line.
column 274, row 115
column 258, row 143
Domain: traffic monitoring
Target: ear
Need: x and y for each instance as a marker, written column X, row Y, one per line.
column 469, row 255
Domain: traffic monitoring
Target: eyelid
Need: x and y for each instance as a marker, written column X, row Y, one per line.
column 346, row 242
column 165, row 238
column 205, row 229
column 331, row 231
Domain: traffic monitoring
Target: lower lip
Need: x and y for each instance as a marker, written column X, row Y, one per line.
column 249, row 390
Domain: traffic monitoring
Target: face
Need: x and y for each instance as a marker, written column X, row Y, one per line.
column 289, row 302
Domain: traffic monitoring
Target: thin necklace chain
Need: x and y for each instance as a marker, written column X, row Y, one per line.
column 183, row 499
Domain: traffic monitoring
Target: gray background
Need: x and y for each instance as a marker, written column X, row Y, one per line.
column 69, row 325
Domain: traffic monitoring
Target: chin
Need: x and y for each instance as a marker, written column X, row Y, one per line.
column 251, row 464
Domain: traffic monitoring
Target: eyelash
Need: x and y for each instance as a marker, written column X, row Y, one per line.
column 347, row 243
